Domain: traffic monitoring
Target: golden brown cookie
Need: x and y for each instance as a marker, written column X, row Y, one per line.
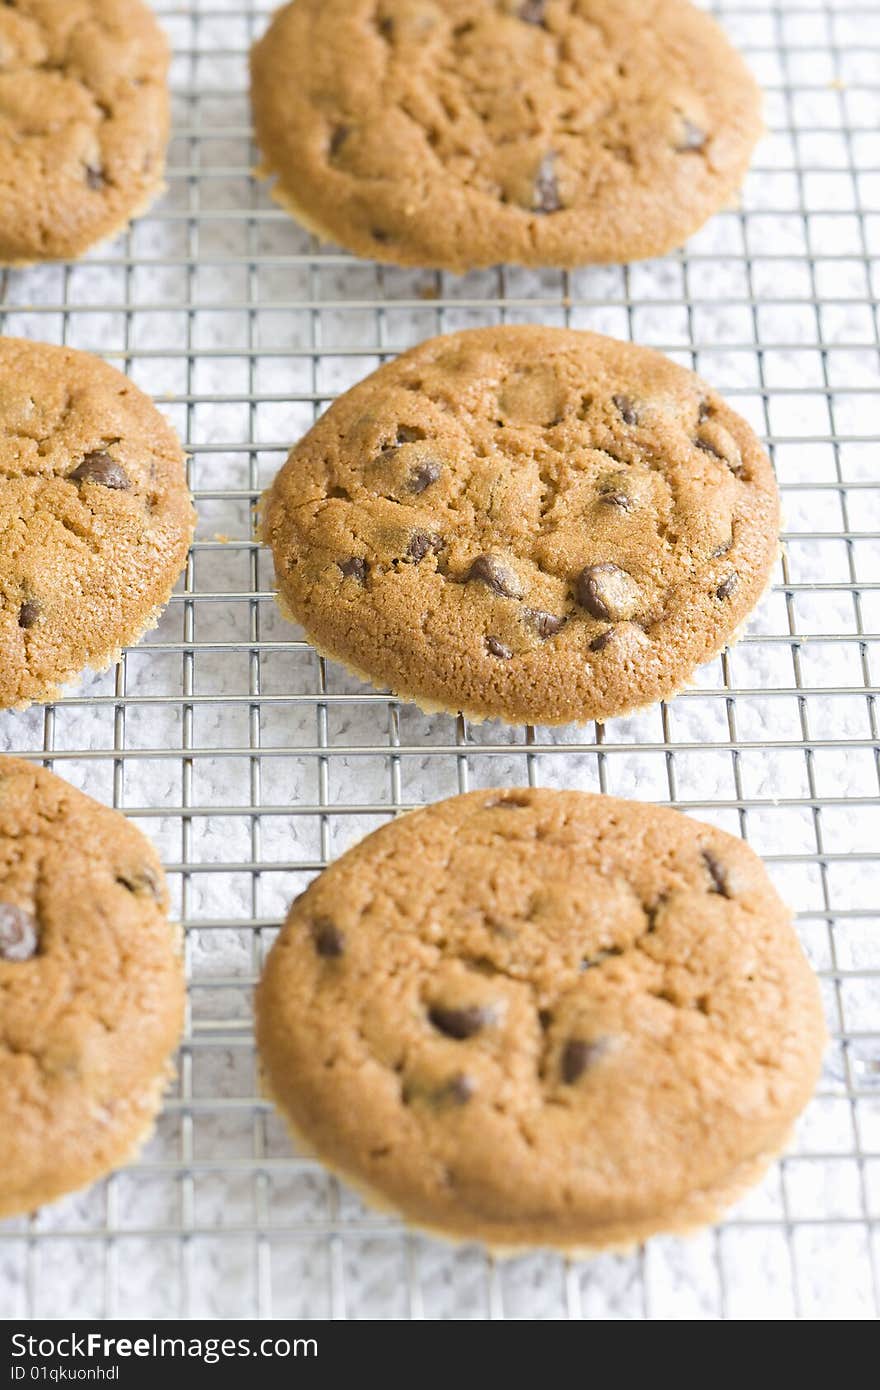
column 95, row 516
column 541, row 1017
column 84, row 116
column 464, row 133
column 526, row 523
column 91, row 988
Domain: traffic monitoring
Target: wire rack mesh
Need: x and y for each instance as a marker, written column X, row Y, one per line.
column 251, row 762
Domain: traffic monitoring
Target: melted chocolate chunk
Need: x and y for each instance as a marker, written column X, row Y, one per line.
column 497, row 648
column 532, row 11
column 18, row 933
column 496, row 575
column 409, row 434
column 100, row 468
column 460, row 1089
column 28, row 613
column 459, row 1023
column 425, row 474
column 95, row 178
column 709, row 448
column 593, row 962
column 628, row 413
column 329, row 940
column 718, row 874
column 727, row 586
column 577, row 1057
column 355, row 568
column 338, row 139
column 546, row 197
column 734, row 463
column 692, row 136
column 599, row 643
column 140, row 881
column 617, row 499
column 544, row 624
column 424, row 543
column 606, row 591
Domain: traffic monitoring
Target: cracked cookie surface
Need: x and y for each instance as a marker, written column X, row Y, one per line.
column 526, row 523
column 461, row 134
column 546, row 1018
column 95, row 516
column 84, row 117
column 91, row 988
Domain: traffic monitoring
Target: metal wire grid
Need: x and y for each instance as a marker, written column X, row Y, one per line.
column 252, row 762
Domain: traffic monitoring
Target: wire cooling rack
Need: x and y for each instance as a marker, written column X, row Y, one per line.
column 252, row 763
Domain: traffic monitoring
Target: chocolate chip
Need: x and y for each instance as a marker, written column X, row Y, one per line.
column 577, row 1057
column 546, row 195
column 651, row 911
column 721, row 550
column 409, row 434
column 628, row 412
column 459, row 1023
column 426, row 473
column 709, row 448
column 718, row 874
column 329, row 940
column 355, row 568
column 692, row 136
column 141, row 881
column 599, row 643
column 532, row 11
column 423, row 543
column 607, row 592
column 544, row 624
column 338, row 139
column 704, row 412
column 380, row 235
column 460, row 1089
column 733, row 460
column 727, row 586
column 491, row 571
column 617, row 499
column 593, row 962
column 28, row 613
column 99, row 468
column 94, row 178
column 18, row 933
column 498, row 649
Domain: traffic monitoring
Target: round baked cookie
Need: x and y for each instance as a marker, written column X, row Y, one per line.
column 464, row 133
column 91, row 988
column 95, row 516
column 527, row 523
column 84, row 117
column 542, row 1017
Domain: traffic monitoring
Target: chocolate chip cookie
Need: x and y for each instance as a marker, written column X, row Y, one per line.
column 525, row 523
column 470, row 132
column 541, row 1017
column 84, row 116
column 95, row 516
column 91, row 988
